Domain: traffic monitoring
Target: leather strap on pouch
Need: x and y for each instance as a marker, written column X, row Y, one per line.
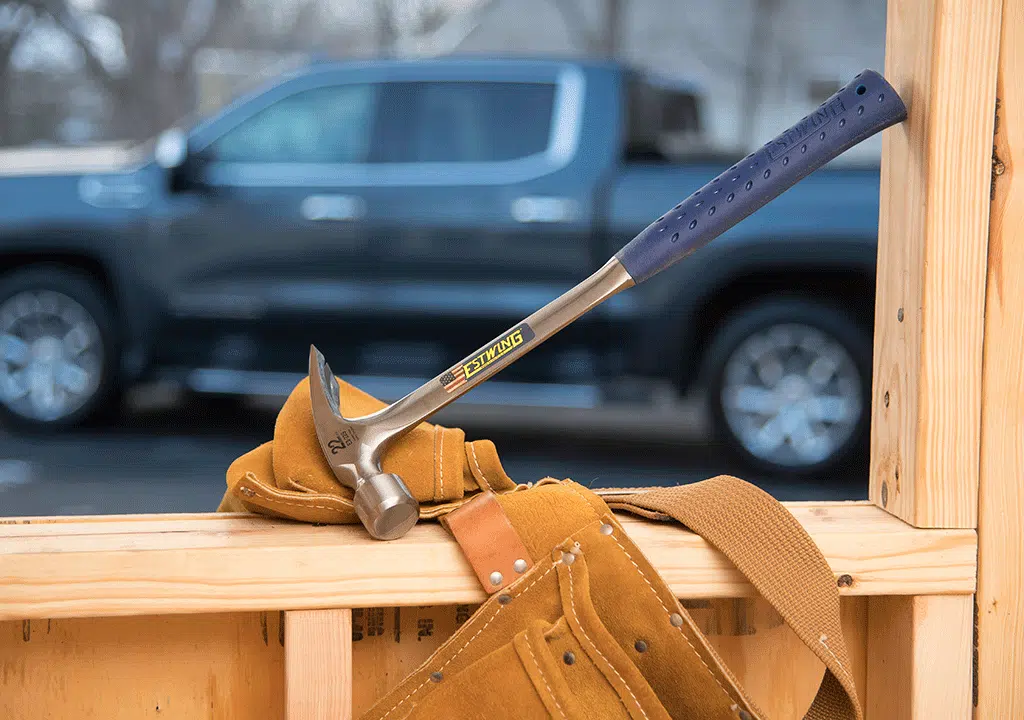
column 490, row 543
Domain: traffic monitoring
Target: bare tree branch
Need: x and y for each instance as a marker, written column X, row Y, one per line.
column 576, row 24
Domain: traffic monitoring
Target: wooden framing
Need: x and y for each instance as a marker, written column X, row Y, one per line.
column 235, row 616
column 933, row 235
column 1000, row 606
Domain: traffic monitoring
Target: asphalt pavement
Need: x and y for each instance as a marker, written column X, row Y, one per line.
column 172, row 458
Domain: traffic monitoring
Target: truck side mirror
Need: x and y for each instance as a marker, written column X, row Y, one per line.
column 171, row 150
column 183, row 166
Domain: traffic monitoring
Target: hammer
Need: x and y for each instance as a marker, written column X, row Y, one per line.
column 354, row 446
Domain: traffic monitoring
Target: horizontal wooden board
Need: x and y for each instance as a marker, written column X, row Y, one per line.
column 227, row 563
column 233, row 665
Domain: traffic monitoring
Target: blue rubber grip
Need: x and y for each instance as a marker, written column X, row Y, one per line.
column 865, row 106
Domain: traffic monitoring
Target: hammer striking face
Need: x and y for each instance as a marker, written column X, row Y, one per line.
column 353, row 449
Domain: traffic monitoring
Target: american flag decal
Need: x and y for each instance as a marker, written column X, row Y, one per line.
column 453, row 378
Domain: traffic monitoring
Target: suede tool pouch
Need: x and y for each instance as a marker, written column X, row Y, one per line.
column 289, row 477
column 585, row 628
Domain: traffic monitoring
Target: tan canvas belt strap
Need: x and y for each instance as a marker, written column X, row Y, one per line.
column 780, row 560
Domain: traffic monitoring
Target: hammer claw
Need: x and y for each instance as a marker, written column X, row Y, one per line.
column 323, row 386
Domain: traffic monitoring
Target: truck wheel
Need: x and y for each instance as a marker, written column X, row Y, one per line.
column 57, row 348
column 790, row 386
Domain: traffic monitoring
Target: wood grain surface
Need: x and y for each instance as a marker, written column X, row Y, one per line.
column 919, row 658
column 1001, row 496
column 318, row 664
column 933, row 238
column 220, row 563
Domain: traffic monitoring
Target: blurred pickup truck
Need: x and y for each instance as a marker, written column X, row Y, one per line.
column 399, row 214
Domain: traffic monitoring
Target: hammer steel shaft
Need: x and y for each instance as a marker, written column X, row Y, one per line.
column 353, row 447
column 504, row 350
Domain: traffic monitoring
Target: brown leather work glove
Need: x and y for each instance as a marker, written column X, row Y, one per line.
column 289, row 476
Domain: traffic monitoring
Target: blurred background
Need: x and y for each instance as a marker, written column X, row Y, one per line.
column 194, row 191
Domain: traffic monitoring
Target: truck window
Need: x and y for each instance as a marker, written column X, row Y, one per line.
column 322, row 125
column 454, row 121
column 663, row 124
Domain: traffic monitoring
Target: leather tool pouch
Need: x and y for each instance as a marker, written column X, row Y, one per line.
column 289, row 477
column 578, row 624
column 584, row 627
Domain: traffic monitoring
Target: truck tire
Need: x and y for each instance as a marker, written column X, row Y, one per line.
column 790, row 386
column 58, row 350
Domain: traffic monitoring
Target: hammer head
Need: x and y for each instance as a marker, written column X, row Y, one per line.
column 352, row 448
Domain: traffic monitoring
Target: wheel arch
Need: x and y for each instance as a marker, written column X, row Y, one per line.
column 89, row 265
column 838, row 285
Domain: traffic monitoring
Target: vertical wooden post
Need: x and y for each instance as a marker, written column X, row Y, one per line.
column 318, row 664
column 919, row 657
column 1000, row 688
column 933, row 233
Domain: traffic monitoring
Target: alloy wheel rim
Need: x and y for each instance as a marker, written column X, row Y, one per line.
column 51, row 355
column 792, row 395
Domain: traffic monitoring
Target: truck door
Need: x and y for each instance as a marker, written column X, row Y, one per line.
column 485, row 218
column 261, row 253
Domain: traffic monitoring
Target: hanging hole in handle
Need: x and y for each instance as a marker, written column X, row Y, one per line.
column 861, row 89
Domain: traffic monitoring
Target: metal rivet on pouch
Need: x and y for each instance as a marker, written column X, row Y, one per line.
column 496, row 578
column 519, row 566
column 568, row 558
column 744, row 715
column 640, row 646
column 676, row 619
column 606, row 529
column 504, row 599
column 568, row 658
column 435, row 676
column 248, row 492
